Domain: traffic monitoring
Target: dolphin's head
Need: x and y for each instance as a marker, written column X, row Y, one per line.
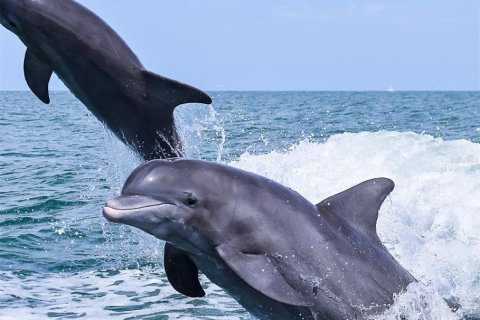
column 38, row 21
column 178, row 200
column 17, row 15
column 10, row 14
column 28, row 19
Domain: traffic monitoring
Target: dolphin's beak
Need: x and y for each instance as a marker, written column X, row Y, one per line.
column 119, row 208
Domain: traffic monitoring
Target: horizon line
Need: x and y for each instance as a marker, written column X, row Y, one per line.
column 298, row 90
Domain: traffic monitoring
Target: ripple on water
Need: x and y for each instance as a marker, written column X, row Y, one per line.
column 102, row 294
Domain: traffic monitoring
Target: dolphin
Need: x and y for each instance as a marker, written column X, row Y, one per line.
column 99, row 68
column 276, row 253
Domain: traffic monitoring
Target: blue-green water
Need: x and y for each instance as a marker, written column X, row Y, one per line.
column 59, row 258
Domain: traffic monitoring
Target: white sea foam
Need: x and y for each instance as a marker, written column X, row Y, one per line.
column 419, row 302
column 429, row 223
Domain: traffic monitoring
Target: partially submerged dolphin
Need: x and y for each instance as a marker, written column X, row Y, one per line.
column 100, row 70
column 277, row 254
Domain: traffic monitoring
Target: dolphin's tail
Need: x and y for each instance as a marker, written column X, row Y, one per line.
column 169, row 93
column 162, row 95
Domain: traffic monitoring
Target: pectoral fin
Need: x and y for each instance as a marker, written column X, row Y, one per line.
column 37, row 73
column 182, row 273
column 259, row 272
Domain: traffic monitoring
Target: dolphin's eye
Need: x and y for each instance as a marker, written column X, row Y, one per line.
column 191, row 201
column 12, row 24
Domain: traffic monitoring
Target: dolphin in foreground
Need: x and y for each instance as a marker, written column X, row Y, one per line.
column 277, row 254
column 99, row 68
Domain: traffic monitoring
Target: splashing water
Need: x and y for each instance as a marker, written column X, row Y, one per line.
column 199, row 126
column 419, row 302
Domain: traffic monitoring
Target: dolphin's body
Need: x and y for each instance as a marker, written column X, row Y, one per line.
column 277, row 254
column 100, row 70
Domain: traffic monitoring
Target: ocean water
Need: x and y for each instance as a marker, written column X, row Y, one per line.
column 60, row 259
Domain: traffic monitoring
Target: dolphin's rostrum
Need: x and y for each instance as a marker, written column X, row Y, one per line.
column 99, row 68
column 277, row 254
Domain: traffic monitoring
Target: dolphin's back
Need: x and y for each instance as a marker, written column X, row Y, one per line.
column 89, row 29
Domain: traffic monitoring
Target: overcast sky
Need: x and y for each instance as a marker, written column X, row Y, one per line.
column 291, row 45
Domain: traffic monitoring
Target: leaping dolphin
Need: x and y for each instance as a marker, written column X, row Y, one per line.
column 99, row 68
column 277, row 254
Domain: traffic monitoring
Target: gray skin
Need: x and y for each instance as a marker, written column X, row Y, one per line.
column 99, row 68
column 277, row 254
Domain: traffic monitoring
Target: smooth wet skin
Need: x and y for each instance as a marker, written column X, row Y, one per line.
column 277, row 254
column 99, row 68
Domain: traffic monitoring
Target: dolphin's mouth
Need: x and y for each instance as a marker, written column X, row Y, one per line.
column 120, row 207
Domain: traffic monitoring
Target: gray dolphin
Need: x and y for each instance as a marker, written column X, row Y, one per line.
column 277, row 254
column 100, row 70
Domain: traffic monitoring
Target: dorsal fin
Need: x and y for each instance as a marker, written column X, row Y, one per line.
column 358, row 206
column 170, row 93
column 37, row 73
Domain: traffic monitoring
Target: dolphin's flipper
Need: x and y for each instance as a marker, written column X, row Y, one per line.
column 37, row 73
column 169, row 93
column 270, row 282
column 358, row 206
column 182, row 273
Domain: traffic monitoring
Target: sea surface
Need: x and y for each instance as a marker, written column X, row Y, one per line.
column 59, row 258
